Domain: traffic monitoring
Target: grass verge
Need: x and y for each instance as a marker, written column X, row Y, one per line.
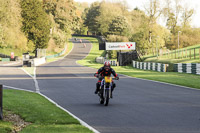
column 29, row 70
column 44, row 115
column 69, row 48
column 186, row 55
column 189, row 80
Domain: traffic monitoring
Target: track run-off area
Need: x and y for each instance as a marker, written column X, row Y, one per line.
column 138, row 106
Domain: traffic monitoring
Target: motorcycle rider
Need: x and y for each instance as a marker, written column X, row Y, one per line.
column 106, row 70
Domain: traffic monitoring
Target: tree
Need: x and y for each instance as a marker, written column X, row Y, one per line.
column 186, row 16
column 91, row 17
column 108, row 12
column 36, row 24
column 119, row 26
column 100, row 15
column 178, row 19
column 153, row 12
column 173, row 15
column 11, row 35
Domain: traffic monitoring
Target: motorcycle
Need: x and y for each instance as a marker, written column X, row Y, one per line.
column 105, row 91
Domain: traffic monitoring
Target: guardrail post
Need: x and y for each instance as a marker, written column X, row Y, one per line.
column 1, row 102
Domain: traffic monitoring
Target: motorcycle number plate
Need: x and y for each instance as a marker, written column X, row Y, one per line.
column 108, row 79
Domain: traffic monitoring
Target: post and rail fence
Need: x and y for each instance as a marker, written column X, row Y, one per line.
column 191, row 53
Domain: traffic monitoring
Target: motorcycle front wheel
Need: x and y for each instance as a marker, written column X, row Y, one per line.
column 106, row 97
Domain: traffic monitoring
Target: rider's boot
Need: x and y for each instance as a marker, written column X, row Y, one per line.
column 97, row 88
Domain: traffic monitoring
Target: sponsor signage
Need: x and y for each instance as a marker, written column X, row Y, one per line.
column 120, row 45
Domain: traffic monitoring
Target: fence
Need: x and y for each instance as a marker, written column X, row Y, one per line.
column 151, row 66
column 190, row 53
column 41, row 53
column 193, row 68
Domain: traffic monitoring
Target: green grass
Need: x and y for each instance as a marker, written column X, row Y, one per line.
column 7, row 51
column 29, row 70
column 184, row 56
column 189, row 80
column 55, row 129
column 5, row 127
column 44, row 116
column 95, row 52
column 69, row 48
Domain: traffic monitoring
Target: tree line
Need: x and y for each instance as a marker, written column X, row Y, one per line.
column 117, row 23
column 31, row 24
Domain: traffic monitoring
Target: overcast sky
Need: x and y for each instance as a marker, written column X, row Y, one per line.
column 140, row 4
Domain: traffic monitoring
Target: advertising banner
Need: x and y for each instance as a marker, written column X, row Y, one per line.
column 120, row 45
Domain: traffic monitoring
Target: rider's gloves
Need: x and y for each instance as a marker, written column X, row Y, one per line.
column 117, row 78
column 96, row 75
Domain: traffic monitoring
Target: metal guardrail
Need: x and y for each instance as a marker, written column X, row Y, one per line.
column 57, row 55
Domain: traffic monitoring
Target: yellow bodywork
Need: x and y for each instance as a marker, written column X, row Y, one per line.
column 108, row 79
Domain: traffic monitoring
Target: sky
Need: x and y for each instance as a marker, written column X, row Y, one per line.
column 195, row 4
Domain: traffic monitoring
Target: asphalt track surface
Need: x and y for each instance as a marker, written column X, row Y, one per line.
column 138, row 106
column 12, row 75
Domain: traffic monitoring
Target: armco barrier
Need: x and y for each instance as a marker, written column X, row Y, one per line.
column 57, row 55
column 193, row 68
column 5, row 59
column 150, row 66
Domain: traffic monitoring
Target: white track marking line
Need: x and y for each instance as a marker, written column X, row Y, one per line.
column 15, row 88
column 34, row 78
column 57, row 105
column 81, row 121
column 38, row 91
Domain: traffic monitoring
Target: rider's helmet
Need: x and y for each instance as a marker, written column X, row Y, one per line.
column 107, row 65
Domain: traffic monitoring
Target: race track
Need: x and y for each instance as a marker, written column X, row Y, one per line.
column 138, row 106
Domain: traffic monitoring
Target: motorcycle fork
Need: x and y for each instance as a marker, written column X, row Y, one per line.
column 108, row 87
